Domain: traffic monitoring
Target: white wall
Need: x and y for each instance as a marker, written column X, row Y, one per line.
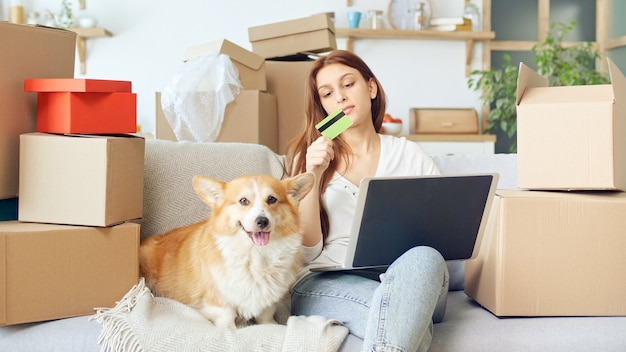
column 150, row 36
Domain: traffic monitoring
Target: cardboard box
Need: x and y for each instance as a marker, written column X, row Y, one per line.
column 163, row 130
column 286, row 80
column 34, row 52
column 251, row 67
column 81, row 179
column 256, row 111
column 443, row 121
column 552, row 254
column 58, row 271
column 253, row 109
column 84, row 106
column 571, row 137
column 313, row 34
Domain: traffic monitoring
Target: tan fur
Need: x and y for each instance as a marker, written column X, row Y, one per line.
column 214, row 266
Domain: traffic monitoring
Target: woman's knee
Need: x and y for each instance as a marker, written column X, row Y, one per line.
column 422, row 258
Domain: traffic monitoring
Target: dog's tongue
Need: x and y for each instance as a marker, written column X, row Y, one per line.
column 261, row 238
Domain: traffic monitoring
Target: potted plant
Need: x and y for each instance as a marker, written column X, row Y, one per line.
column 65, row 18
column 561, row 64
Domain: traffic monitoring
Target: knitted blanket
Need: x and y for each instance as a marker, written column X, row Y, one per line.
column 142, row 322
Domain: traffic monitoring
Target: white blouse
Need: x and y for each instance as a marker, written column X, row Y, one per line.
column 398, row 157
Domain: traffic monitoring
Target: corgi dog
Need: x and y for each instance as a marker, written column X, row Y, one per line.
column 237, row 264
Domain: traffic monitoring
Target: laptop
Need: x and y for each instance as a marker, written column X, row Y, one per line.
column 395, row 214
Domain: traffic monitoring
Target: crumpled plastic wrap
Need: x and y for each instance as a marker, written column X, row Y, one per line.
column 194, row 101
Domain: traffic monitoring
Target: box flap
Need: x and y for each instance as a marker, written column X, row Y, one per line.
column 300, row 25
column 527, row 78
column 223, row 46
column 619, row 121
column 617, row 80
column 75, row 85
column 569, row 94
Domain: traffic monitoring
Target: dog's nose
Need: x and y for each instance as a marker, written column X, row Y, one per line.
column 262, row 222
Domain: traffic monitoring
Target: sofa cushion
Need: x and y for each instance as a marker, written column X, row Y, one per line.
column 504, row 164
column 169, row 199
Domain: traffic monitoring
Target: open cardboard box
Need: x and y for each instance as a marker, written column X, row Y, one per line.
column 254, row 109
column 250, row 66
column 571, row 137
column 286, row 82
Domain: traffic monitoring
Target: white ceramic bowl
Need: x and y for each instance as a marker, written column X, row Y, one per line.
column 392, row 127
column 87, row 22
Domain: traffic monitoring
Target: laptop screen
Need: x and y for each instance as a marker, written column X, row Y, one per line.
column 444, row 212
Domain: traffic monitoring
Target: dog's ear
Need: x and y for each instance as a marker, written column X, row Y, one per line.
column 210, row 190
column 299, row 186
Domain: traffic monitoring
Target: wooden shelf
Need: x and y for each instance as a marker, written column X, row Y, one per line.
column 81, row 42
column 469, row 37
column 364, row 33
column 451, row 144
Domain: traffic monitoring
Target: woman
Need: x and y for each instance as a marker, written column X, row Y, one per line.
column 397, row 312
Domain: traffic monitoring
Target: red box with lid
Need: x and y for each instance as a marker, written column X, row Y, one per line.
column 89, row 106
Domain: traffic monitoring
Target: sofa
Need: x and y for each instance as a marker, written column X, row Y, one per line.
column 169, row 202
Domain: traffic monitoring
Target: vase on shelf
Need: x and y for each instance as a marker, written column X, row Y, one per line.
column 421, row 16
column 472, row 13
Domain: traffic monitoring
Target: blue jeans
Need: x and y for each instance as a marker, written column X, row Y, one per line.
column 395, row 314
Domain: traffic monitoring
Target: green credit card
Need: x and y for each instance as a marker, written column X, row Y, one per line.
column 334, row 124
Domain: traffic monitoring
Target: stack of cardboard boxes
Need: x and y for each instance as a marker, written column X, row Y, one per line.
column 81, row 167
column 557, row 246
column 270, row 109
column 79, row 176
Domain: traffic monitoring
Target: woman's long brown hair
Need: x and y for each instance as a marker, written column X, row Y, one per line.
column 297, row 148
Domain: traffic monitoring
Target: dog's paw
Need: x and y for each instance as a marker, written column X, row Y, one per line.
column 265, row 321
column 222, row 317
column 225, row 324
column 266, row 316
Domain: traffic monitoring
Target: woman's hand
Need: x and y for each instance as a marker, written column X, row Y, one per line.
column 319, row 155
